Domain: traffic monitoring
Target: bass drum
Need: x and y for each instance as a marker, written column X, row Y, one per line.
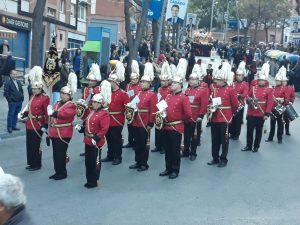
column 290, row 112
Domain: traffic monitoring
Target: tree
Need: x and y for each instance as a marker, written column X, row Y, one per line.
column 134, row 42
column 37, row 33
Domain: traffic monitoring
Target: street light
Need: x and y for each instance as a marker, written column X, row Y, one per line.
column 212, row 14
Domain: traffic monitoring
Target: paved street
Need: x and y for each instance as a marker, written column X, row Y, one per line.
column 261, row 188
column 255, row 188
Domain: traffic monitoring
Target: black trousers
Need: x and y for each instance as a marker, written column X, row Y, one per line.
column 158, row 139
column 254, row 123
column 190, row 140
column 33, row 143
column 92, row 164
column 171, row 144
column 286, row 124
column 78, row 79
column 219, row 137
column 236, row 124
column 279, row 121
column 130, row 135
column 114, row 142
column 59, row 155
column 141, row 151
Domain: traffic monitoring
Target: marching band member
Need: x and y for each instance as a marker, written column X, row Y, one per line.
column 266, row 70
column 241, row 88
column 143, row 120
column 132, row 89
column 163, row 91
column 280, row 99
column 260, row 105
column 61, row 130
column 224, row 105
column 93, row 78
column 177, row 112
column 119, row 99
column 36, row 114
column 291, row 93
column 95, row 129
column 198, row 98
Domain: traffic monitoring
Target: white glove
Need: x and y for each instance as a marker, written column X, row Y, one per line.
column 49, row 110
column 19, row 116
column 94, row 142
column 44, row 130
column 78, row 127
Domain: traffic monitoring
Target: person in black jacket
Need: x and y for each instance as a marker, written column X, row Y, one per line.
column 13, row 93
column 8, row 66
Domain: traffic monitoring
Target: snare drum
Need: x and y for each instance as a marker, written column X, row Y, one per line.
column 290, row 112
column 277, row 111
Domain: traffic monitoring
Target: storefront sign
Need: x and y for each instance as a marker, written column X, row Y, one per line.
column 17, row 23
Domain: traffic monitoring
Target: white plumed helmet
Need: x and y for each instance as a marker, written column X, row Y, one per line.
column 94, row 73
column 135, row 67
column 72, row 82
column 182, row 67
column 148, row 71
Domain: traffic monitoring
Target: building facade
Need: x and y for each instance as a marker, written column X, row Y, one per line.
column 67, row 19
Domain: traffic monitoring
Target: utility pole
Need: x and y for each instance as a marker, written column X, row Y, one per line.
column 226, row 20
column 212, row 14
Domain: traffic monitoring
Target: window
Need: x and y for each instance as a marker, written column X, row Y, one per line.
column 51, row 12
column 62, row 6
column 81, row 12
column 72, row 11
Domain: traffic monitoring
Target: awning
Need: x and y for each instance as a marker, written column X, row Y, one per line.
column 7, row 33
column 92, row 46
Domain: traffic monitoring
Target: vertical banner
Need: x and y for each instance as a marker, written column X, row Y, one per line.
column 154, row 10
column 176, row 10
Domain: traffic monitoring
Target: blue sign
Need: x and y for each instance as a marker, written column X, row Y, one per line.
column 155, row 9
column 233, row 24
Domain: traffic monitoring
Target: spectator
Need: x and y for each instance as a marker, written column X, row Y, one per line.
column 12, row 201
column 76, row 66
column 4, row 47
column 8, row 66
column 295, row 76
column 13, row 93
column 64, row 57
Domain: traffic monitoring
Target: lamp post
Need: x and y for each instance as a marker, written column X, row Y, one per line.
column 212, row 14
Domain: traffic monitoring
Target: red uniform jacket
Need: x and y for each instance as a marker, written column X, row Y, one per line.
column 65, row 118
column 179, row 109
column 229, row 99
column 254, row 83
column 203, row 84
column 37, row 112
column 97, row 124
column 163, row 92
column 263, row 95
column 291, row 92
column 198, row 98
column 93, row 91
column 116, row 108
column 241, row 89
column 278, row 93
column 148, row 101
column 133, row 89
